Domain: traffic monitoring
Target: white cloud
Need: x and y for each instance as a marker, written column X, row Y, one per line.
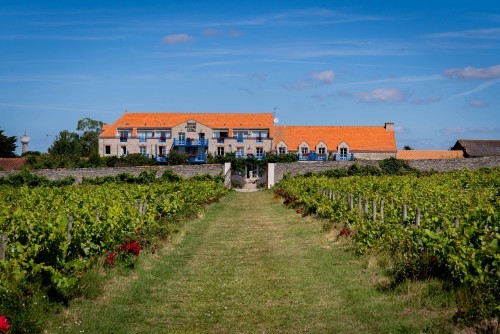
column 477, row 89
column 478, row 104
column 493, row 33
column 177, row 38
column 300, row 85
column 212, row 32
column 325, row 77
column 382, row 95
column 400, row 129
column 470, row 72
column 455, row 131
column 428, row 100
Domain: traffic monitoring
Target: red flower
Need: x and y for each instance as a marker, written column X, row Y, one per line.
column 133, row 247
column 111, row 259
column 434, row 259
column 138, row 229
column 298, row 211
column 4, row 324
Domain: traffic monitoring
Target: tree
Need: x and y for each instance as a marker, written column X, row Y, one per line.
column 66, row 143
column 7, row 146
column 89, row 135
column 407, row 148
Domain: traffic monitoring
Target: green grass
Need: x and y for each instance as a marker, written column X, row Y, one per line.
column 251, row 265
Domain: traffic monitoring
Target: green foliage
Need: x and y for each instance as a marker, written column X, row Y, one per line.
column 33, row 180
column 43, row 257
column 170, row 176
column 177, row 158
column 393, row 166
column 7, row 146
column 466, row 257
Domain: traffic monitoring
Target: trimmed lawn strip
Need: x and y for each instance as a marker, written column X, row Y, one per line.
column 250, row 265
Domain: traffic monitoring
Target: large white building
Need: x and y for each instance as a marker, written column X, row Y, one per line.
column 245, row 134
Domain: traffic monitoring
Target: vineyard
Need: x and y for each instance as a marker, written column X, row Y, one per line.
column 444, row 226
column 51, row 235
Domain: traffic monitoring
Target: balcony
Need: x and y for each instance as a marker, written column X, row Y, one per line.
column 161, row 158
column 259, row 140
column 198, row 158
column 313, row 156
column 345, row 157
column 123, row 139
column 162, row 139
column 239, row 139
column 142, row 139
column 220, row 140
column 191, row 142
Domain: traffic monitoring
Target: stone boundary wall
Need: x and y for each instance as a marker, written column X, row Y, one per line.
column 443, row 165
column 185, row 171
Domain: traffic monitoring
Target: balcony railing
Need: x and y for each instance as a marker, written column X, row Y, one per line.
column 123, row 139
column 220, row 140
column 348, row 157
column 239, row 139
column 161, row 158
column 142, row 139
column 190, row 142
column 162, row 139
column 260, row 156
column 313, row 156
column 259, row 140
column 198, row 159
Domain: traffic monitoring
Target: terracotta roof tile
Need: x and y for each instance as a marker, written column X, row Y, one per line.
column 359, row 138
column 12, row 163
column 168, row 120
column 428, row 154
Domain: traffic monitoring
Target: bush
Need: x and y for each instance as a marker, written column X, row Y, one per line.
column 170, row 176
column 393, row 166
column 237, row 181
column 177, row 158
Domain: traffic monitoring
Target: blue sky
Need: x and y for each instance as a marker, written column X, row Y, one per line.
column 431, row 67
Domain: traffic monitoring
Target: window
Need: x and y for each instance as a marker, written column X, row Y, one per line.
column 220, row 134
column 240, row 152
column 124, row 150
column 220, row 151
column 164, row 135
column 343, row 150
column 124, row 135
column 304, row 150
column 260, row 152
column 142, row 136
column 182, row 136
column 107, row 149
column 282, row 150
column 321, row 151
column 142, row 150
column 161, row 150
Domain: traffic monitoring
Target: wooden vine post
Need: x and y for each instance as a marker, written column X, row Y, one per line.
column 382, row 210
column 360, row 210
column 405, row 213
column 374, row 209
column 70, row 227
column 3, row 246
column 417, row 218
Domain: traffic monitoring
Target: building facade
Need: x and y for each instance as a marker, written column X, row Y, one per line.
column 197, row 134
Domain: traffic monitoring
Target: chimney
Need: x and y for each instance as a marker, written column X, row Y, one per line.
column 389, row 126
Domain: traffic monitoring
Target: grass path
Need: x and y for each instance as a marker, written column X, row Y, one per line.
column 249, row 266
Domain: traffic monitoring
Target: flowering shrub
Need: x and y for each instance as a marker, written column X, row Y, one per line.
column 345, row 232
column 4, row 324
